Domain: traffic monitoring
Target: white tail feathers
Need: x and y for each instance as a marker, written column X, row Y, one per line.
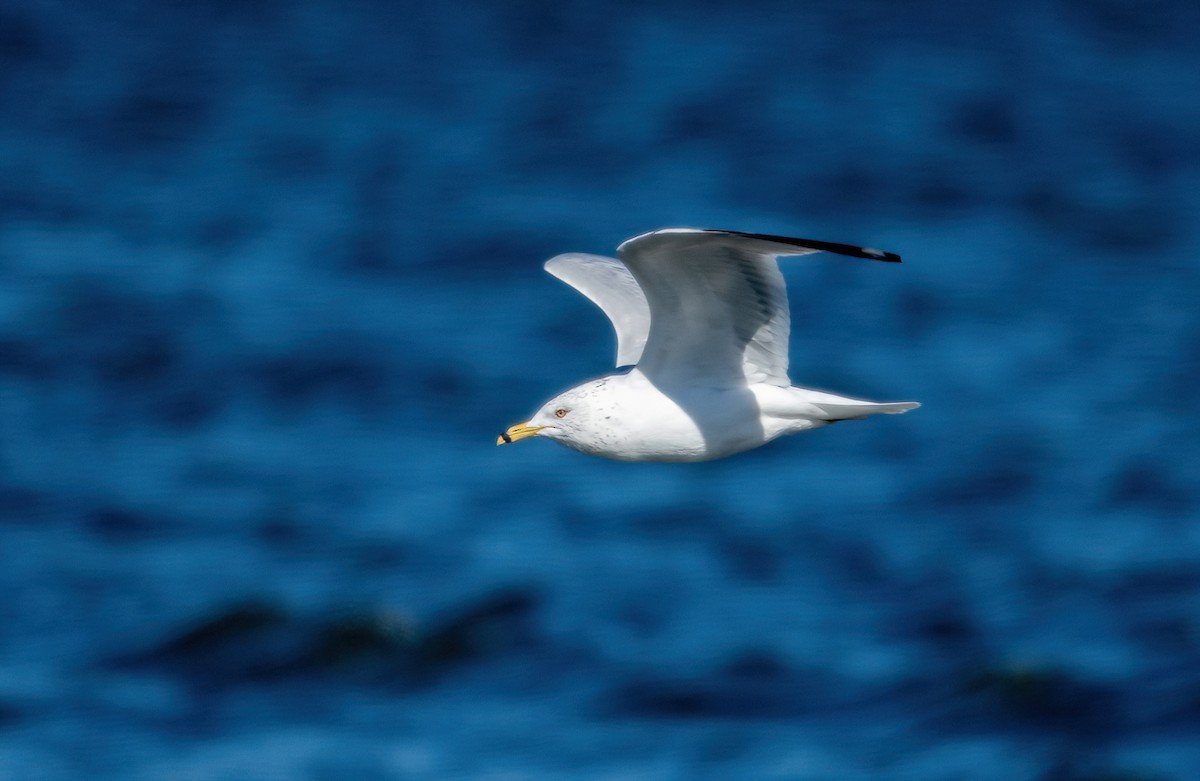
column 849, row 410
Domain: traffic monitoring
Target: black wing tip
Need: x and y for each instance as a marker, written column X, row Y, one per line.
column 870, row 253
column 878, row 254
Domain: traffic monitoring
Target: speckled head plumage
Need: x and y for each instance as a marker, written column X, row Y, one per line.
column 573, row 417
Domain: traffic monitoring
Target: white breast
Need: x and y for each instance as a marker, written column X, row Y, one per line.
column 647, row 423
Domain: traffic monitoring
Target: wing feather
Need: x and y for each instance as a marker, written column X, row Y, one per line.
column 718, row 303
column 608, row 284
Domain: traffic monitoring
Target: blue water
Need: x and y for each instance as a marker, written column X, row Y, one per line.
column 270, row 286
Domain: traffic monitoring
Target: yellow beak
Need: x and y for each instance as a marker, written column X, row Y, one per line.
column 519, row 431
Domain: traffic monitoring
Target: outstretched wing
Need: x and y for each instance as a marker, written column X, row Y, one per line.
column 610, row 286
column 718, row 304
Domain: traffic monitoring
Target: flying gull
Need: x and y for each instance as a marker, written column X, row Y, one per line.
column 702, row 323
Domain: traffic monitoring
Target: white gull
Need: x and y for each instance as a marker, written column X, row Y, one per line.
column 702, row 318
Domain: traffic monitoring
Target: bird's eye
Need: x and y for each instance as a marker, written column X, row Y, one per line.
column 560, row 413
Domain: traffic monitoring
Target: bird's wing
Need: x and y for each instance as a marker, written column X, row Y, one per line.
column 610, row 286
column 718, row 304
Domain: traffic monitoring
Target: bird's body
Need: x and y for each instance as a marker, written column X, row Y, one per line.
column 702, row 317
column 629, row 418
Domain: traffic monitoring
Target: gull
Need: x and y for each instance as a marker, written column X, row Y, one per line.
column 702, row 325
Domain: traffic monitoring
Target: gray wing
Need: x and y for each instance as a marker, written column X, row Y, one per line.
column 718, row 304
column 608, row 284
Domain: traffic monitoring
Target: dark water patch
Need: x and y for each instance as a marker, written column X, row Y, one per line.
column 257, row 12
column 379, row 556
column 10, row 715
column 918, row 313
column 23, row 198
column 1043, row 698
column 1168, row 636
column 318, row 373
column 946, row 629
column 750, row 558
column 1145, row 222
column 1088, row 769
column 1153, row 224
column 1134, row 25
column 553, row 138
column 1176, row 707
column 371, row 249
column 375, row 245
column 941, row 194
column 142, row 359
column 367, row 643
column 588, row 162
column 1152, row 606
column 1150, row 486
column 378, row 177
column 233, row 625
column 753, row 686
column 996, row 484
column 254, row 641
column 1172, row 394
column 554, row 33
column 691, row 521
column 282, row 531
column 1155, row 584
column 258, row 641
column 445, row 386
column 846, row 558
column 861, row 563
column 120, row 336
column 1155, row 152
column 161, row 110
column 290, row 158
column 286, row 533
column 681, row 699
column 646, row 613
column 1005, row 472
column 21, row 40
column 709, row 120
column 498, row 623
column 115, row 524
column 187, row 407
column 987, row 120
column 940, row 624
column 243, row 643
column 843, row 188
column 34, row 54
column 225, row 232
column 580, row 330
column 19, row 504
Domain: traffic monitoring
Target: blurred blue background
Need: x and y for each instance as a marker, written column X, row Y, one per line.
column 270, row 285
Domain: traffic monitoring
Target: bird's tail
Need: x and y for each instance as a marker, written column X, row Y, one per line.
column 832, row 412
column 830, row 407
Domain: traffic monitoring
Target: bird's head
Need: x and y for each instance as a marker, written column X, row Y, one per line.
column 571, row 417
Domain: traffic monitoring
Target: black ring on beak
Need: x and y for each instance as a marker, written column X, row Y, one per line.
column 506, row 437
